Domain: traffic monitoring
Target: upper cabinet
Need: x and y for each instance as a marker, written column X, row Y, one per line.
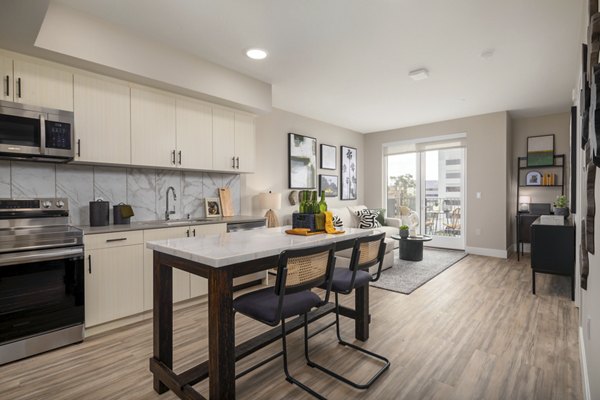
column 102, row 121
column 153, row 134
column 233, row 141
column 194, row 135
column 245, row 143
column 6, row 72
column 43, row 86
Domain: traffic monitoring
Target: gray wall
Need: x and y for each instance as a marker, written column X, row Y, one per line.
column 487, row 155
column 272, row 159
column 144, row 189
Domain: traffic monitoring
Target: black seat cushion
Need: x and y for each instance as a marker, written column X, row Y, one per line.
column 343, row 276
column 262, row 304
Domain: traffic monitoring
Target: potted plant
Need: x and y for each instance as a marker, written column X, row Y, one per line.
column 404, row 231
column 560, row 206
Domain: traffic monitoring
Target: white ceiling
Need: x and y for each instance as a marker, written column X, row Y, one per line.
column 346, row 62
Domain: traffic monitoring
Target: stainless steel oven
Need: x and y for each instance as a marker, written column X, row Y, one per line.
column 28, row 132
column 41, row 278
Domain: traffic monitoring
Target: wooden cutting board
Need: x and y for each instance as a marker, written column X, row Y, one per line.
column 226, row 205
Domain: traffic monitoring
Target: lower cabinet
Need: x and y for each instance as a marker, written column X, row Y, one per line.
column 114, row 279
column 199, row 285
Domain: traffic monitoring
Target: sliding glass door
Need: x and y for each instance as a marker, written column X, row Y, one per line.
column 430, row 182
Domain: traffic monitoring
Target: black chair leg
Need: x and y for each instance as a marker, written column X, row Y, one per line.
column 312, row 364
column 288, row 377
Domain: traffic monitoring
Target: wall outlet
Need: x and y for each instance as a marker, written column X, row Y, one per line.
column 478, row 231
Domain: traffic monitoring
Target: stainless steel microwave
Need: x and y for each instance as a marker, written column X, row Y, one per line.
column 35, row 133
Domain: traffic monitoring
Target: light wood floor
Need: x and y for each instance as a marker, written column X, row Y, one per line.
column 473, row 332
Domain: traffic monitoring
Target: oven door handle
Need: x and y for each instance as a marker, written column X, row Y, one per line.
column 39, row 256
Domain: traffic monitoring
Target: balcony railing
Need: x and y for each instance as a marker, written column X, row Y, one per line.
column 442, row 214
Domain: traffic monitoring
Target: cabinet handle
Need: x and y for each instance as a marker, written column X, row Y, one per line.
column 237, row 162
column 90, row 263
column 173, row 157
column 179, row 157
column 188, row 233
column 19, row 87
column 233, row 162
column 78, row 147
column 7, row 85
column 115, row 240
column 194, row 232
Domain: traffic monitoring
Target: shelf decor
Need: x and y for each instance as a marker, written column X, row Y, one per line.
column 212, row 207
column 328, row 156
column 348, row 173
column 302, row 160
column 533, row 178
column 540, row 150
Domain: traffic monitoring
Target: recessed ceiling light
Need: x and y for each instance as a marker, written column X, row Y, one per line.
column 419, row 74
column 256, row 54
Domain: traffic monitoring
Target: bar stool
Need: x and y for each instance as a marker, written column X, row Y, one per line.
column 298, row 271
column 367, row 252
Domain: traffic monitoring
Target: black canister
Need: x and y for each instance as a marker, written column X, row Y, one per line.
column 122, row 214
column 99, row 211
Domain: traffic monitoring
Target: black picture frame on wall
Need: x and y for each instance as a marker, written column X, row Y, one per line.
column 348, row 173
column 584, row 97
column 573, row 183
column 329, row 184
column 302, row 161
column 328, row 157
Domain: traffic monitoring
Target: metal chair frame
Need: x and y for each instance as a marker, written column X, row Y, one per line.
column 354, row 266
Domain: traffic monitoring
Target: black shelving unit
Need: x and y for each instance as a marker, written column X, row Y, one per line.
column 523, row 235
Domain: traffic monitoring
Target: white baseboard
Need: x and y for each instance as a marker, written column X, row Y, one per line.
column 482, row 251
column 584, row 371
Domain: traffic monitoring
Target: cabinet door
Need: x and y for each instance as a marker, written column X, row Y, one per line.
column 152, row 129
column 198, row 284
column 6, row 73
column 43, row 86
column 194, row 135
column 113, row 283
column 102, row 121
column 181, row 279
column 223, row 139
column 245, row 142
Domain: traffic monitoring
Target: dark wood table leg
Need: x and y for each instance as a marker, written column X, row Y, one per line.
column 361, row 322
column 221, row 335
column 163, row 317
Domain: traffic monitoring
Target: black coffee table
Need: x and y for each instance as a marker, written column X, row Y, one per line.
column 411, row 248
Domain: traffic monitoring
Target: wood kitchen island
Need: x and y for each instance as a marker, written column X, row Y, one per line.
column 220, row 258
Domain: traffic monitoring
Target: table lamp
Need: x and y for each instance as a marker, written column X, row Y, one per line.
column 270, row 201
column 524, row 203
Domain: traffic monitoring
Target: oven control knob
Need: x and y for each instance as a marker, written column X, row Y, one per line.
column 46, row 204
column 60, row 204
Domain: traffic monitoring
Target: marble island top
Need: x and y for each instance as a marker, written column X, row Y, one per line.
column 235, row 247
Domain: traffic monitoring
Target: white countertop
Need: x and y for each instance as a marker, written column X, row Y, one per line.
column 232, row 248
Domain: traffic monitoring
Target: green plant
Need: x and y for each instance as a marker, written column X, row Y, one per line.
column 561, row 202
column 404, row 227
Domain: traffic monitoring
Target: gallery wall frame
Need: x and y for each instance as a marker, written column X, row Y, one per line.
column 302, row 161
column 329, row 184
column 348, row 173
column 328, row 158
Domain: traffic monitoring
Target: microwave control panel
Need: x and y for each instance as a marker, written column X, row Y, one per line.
column 58, row 135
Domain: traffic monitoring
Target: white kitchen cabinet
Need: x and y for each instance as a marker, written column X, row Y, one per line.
column 43, row 86
column 113, row 283
column 198, row 284
column 223, row 139
column 245, row 143
column 153, row 132
column 6, row 73
column 102, row 120
column 181, row 279
column 194, row 134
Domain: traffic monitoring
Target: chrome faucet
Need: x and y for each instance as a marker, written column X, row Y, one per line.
column 168, row 212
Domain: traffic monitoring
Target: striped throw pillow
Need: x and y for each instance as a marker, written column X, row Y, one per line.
column 367, row 219
column 337, row 222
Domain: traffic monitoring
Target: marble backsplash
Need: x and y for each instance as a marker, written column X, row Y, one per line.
column 144, row 189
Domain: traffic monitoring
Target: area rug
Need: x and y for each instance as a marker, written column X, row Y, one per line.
column 406, row 276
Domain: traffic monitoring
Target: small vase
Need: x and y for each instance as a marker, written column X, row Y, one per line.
column 561, row 211
column 403, row 233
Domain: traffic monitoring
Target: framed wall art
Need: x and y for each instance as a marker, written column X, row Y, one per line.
column 328, row 156
column 540, row 151
column 329, row 184
column 348, row 173
column 533, row 178
column 302, row 161
column 212, row 207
